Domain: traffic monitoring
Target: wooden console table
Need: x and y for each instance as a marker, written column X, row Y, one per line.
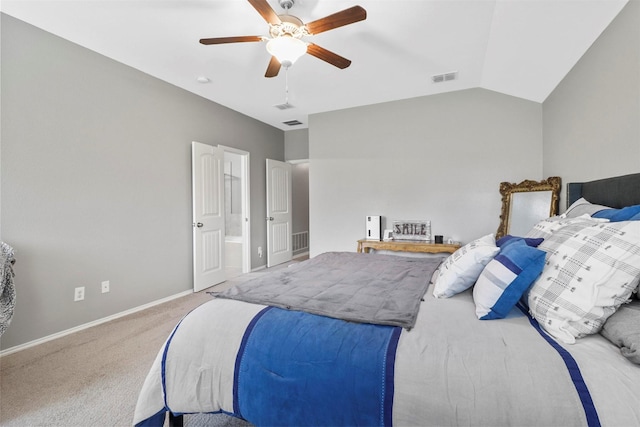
column 405, row 246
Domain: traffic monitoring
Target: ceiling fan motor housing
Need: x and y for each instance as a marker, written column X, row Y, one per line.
column 290, row 26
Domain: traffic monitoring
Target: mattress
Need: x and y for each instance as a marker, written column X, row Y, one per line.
column 450, row 369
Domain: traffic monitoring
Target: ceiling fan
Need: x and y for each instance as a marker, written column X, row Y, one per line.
column 285, row 44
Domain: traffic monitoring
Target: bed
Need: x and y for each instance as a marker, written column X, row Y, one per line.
column 527, row 330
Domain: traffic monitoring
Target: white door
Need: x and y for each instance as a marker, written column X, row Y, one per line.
column 207, row 167
column 279, row 217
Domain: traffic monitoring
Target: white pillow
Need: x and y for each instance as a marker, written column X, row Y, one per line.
column 461, row 270
column 590, row 271
column 547, row 227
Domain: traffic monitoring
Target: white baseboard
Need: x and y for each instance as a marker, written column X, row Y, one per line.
column 33, row 343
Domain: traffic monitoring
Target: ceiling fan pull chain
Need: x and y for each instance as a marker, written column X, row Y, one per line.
column 286, row 85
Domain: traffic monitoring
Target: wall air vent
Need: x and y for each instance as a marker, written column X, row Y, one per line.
column 284, row 106
column 439, row 78
column 292, row 123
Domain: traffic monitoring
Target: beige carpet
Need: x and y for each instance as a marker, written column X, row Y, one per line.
column 93, row 377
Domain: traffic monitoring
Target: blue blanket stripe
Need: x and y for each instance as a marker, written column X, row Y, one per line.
column 390, row 363
column 243, row 345
column 297, row 368
column 574, row 371
column 156, row 420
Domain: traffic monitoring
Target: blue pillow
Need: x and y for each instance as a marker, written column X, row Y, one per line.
column 616, row 215
column 509, row 239
column 506, row 278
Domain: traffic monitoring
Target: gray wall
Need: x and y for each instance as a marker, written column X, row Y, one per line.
column 96, row 183
column 592, row 119
column 438, row 158
column 296, row 144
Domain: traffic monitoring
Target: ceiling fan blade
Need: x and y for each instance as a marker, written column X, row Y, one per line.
column 339, row 19
column 265, row 11
column 328, row 56
column 239, row 39
column 273, row 68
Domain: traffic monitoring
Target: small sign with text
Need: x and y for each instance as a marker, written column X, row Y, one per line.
column 412, row 230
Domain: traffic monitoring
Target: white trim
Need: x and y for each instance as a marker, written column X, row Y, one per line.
column 79, row 328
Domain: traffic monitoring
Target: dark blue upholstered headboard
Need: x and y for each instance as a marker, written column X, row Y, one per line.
column 616, row 192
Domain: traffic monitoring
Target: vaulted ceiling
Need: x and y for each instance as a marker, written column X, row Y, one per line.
column 522, row 48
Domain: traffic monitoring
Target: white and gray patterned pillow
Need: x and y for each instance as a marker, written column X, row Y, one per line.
column 590, row 271
column 547, row 227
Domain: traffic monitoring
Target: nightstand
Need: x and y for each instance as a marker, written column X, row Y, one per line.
column 365, row 245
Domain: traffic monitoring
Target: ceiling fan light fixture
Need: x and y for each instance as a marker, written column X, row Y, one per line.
column 286, row 49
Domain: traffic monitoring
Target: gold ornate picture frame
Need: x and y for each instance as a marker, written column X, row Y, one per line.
column 527, row 203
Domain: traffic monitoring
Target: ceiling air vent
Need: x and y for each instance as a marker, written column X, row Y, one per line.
column 292, row 123
column 284, row 106
column 439, row 78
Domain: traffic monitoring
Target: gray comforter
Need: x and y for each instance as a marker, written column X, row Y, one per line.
column 365, row 288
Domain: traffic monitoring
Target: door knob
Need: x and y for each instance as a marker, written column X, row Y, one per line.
column 270, row 218
column 199, row 225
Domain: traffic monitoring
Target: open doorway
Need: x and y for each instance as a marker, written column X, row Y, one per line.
column 236, row 193
column 300, row 192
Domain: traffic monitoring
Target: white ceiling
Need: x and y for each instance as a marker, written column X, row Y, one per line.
column 521, row 48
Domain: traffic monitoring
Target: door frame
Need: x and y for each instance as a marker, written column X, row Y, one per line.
column 246, row 204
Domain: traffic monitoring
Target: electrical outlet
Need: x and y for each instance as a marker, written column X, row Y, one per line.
column 78, row 294
column 260, row 251
column 105, row 286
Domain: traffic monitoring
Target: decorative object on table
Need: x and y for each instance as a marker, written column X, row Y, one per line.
column 439, row 239
column 388, row 235
column 412, row 230
column 374, row 225
column 527, row 203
